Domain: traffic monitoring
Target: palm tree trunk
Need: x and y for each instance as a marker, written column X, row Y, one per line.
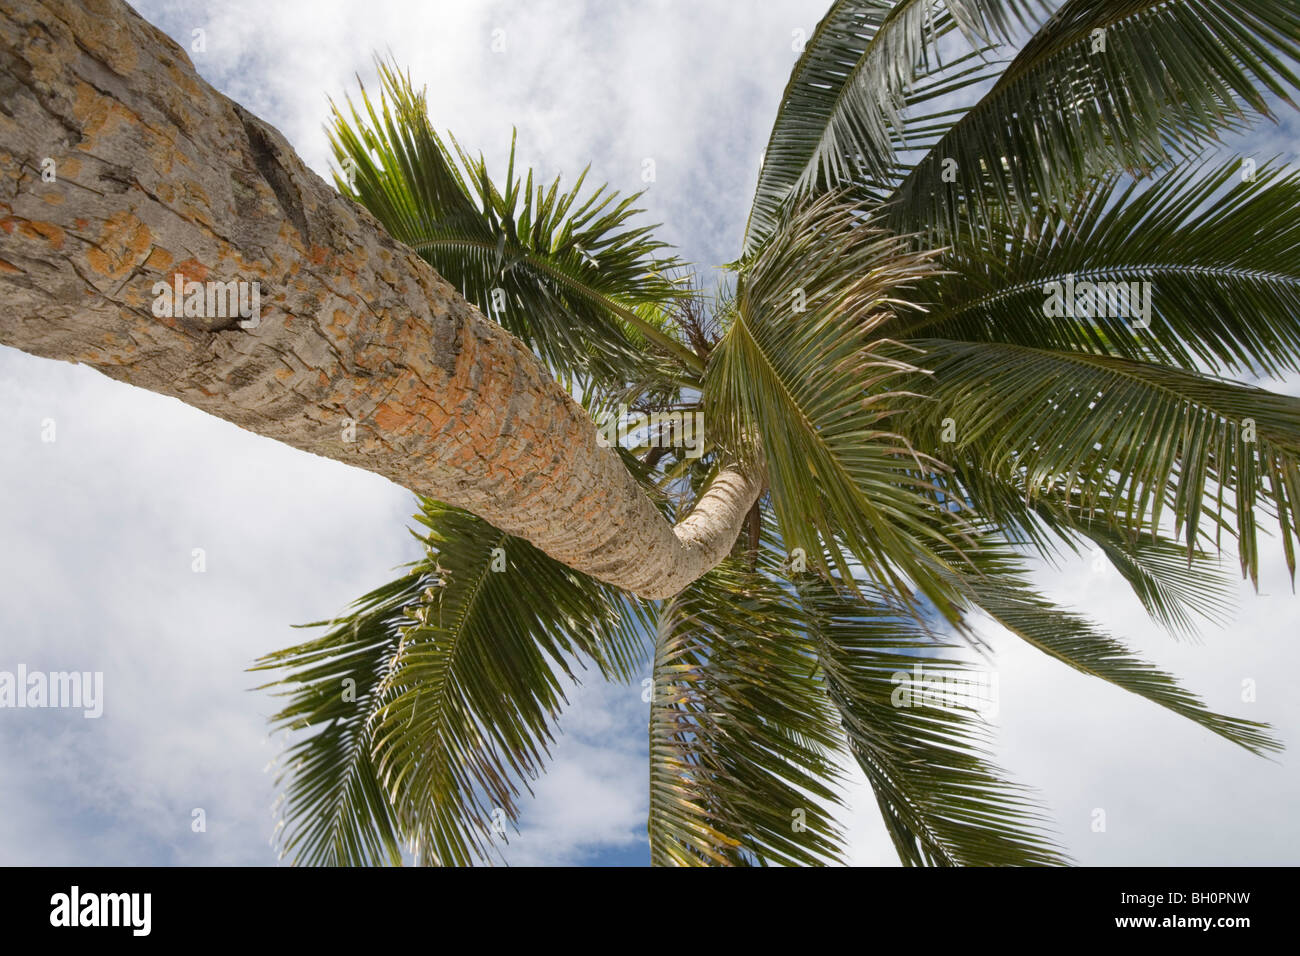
column 124, row 170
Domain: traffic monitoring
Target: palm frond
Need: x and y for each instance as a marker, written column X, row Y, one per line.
column 799, row 371
column 742, row 737
column 910, row 708
column 1002, row 592
column 1176, row 589
column 460, row 668
column 1219, row 249
column 562, row 270
column 1103, row 85
column 334, row 811
column 1171, row 588
column 853, row 102
column 1134, row 436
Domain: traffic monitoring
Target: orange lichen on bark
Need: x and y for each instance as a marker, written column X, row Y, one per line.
column 96, row 27
column 392, row 418
column 123, row 244
column 192, row 270
column 100, row 115
column 42, row 230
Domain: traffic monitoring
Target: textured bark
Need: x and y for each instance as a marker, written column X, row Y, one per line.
column 157, row 174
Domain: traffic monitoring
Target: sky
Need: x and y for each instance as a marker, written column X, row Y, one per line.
column 100, row 525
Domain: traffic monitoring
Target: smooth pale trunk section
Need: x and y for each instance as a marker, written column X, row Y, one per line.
column 120, row 168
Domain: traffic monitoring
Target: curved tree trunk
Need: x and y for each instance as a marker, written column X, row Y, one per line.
column 121, row 168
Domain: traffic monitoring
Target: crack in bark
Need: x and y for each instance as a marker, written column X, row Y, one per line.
column 265, row 155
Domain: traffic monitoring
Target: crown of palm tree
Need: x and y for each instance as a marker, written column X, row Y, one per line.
column 923, row 424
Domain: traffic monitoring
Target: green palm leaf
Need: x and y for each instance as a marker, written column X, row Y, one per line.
column 1219, row 247
column 853, row 102
column 1171, row 77
column 564, row 273
column 1175, row 589
column 798, row 370
column 943, row 802
column 1171, row 588
column 334, row 810
column 460, row 671
column 742, row 737
column 1004, row 595
column 1135, row 436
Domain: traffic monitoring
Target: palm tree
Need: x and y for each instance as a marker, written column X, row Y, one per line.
column 988, row 291
column 992, row 282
